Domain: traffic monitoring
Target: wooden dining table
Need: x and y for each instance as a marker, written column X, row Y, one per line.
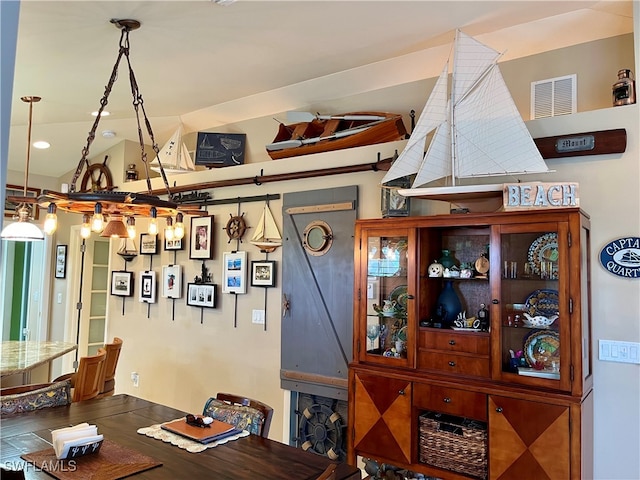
column 119, row 417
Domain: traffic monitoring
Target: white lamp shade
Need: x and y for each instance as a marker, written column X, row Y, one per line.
column 22, row 232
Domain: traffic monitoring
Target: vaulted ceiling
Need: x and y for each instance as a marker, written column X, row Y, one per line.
column 203, row 64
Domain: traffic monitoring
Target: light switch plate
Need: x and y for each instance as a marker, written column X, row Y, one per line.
column 618, row 351
column 257, row 316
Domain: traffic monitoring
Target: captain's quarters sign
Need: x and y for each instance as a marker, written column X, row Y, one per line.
column 530, row 195
column 622, row 257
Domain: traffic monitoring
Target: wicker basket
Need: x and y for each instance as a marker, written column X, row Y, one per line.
column 454, row 443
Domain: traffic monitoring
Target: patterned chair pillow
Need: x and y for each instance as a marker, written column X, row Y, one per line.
column 50, row 395
column 242, row 417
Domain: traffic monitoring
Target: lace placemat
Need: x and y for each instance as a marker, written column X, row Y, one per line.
column 155, row 431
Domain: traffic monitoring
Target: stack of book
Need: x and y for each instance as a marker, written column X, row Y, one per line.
column 76, row 441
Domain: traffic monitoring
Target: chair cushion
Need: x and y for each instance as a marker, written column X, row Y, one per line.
column 245, row 418
column 53, row 395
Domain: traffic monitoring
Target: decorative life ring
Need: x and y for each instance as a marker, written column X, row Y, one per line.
column 321, row 431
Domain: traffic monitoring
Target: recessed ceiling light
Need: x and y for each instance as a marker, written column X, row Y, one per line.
column 104, row 113
column 108, row 133
column 41, row 144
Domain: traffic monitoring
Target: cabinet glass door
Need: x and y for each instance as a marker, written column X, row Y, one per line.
column 386, row 297
column 534, row 313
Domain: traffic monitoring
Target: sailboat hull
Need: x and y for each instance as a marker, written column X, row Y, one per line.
column 474, row 198
column 325, row 135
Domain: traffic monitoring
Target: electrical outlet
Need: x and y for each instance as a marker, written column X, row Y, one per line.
column 257, row 316
column 135, row 378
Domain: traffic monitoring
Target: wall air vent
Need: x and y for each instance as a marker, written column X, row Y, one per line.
column 553, row 97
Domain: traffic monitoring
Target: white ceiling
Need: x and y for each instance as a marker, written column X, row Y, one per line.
column 206, row 65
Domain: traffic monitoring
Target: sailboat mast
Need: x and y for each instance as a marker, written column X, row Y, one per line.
column 452, row 123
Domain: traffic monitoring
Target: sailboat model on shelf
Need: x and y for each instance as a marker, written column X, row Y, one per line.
column 478, row 133
column 267, row 236
column 174, row 156
column 128, row 249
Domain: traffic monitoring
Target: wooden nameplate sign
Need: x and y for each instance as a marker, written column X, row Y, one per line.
column 212, row 432
column 580, row 144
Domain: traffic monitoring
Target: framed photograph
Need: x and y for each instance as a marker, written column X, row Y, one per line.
column 61, row 261
column 148, row 244
column 220, row 149
column 263, row 273
column 234, row 272
column 201, row 295
column 201, row 238
column 174, row 244
column 10, row 205
column 122, row 283
column 147, row 287
column 172, row 281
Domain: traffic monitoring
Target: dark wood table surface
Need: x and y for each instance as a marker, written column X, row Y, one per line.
column 119, row 417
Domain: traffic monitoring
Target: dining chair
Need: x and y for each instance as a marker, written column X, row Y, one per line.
column 27, row 398
column 88, row 377
column 108, row 383
column 242, row 412
column 329, row 473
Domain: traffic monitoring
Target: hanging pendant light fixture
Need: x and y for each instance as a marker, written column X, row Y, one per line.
column 22, row 230
column 113, row 213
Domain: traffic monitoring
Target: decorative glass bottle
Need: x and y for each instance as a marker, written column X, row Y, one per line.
column 447, row 261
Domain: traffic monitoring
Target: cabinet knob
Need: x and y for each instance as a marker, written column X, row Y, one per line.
column 495, row 301
column 446, row 400
column 452, row 363
column 499, row 409
column 401, row 392
column 452, row 342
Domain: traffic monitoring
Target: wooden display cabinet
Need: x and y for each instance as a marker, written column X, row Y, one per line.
column 526, row 378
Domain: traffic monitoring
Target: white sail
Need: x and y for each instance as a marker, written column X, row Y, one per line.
column 174, row 156
column 479, row 132
column 267, row 236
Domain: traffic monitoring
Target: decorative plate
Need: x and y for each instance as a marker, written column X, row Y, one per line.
column 542, row 346
column 399, row 295
column 544, row 249
column 542, row 302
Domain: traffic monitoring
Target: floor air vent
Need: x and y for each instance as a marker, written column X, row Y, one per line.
column 553, row 97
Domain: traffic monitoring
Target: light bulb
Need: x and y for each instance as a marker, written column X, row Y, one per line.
column 85, row 229
column 97, row 222
column 169, row 234
column 153, row 225
column 178, row 230
column 131, row 227
column 51, row 220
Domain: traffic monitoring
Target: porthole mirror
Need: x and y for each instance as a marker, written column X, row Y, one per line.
column 317, row 238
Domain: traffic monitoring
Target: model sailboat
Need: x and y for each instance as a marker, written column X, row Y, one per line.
column 174, row 156
column 267, row 236
column 478, row 132
column 127, row 249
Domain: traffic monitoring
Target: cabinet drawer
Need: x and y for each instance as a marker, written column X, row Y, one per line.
column 450, row 400
column 455, row 364
column 450, row 340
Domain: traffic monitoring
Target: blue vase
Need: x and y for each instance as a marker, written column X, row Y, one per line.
column 448, row 304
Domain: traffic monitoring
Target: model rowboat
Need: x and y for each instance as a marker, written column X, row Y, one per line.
column 328, row 133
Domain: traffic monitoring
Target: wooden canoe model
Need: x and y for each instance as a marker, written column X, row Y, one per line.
column 328, row 133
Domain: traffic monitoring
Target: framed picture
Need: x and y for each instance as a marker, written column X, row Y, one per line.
column 61, row 261
column 202, row 295
column 175, row 244
column 234, row 272
column 148, row 244
column 122, row 283
column 263, row 273
column 220, row 149
column 18, row 191
column 172, row 281
column 201, row 238
column 147, row 287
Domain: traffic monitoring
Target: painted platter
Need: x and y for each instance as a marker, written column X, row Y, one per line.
column 542, row 346
column 399, row 295
column 544, row 249
column 542, row 302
